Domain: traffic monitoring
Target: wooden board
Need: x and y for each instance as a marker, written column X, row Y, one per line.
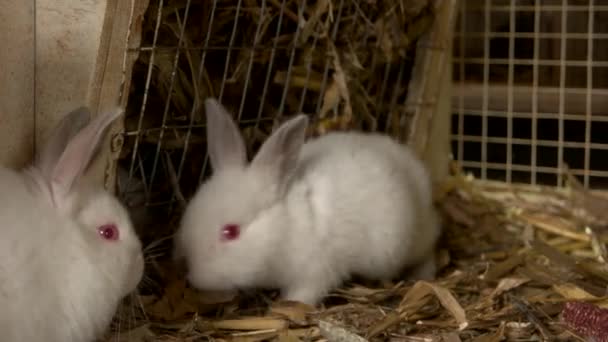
column 16, row 82
column 61, row 54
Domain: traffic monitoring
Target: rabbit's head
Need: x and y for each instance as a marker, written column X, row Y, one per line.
column 103, row 223
column 232, row 227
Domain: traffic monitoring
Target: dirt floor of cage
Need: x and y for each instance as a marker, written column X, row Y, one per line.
column 518, row 263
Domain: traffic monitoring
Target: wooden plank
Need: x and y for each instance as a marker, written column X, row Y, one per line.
column 16, row 82
column 428, row 90
column 121, row 36
column 67, row 39
column 63, row 54
column 575, row 100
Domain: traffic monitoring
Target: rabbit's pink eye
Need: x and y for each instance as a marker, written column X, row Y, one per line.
column 108, row 231
column 230, row 231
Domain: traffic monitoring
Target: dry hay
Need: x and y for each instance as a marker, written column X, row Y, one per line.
column 510, row 258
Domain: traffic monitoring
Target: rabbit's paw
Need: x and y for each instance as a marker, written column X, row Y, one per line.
column 310, row 294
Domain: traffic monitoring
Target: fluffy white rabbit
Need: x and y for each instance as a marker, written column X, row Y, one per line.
column 68, row 252
column 304, row 217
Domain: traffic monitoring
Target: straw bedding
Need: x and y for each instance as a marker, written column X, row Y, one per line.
column 512, row 257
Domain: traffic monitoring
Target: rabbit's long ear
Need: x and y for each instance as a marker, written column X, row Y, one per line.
column 79, row 152
column 224, row 141
column 279, row 155
column 47, row 156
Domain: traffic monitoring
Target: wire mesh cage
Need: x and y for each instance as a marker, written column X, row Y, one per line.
column 346, row 63
column 530, row 90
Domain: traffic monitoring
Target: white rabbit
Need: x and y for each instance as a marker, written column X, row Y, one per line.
column 305, row 217
column 68, row 252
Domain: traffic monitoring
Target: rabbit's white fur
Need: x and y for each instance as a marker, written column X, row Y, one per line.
column 59, row 280
column 312, row 215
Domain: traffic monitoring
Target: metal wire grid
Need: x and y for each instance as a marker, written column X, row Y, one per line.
column 161, row 161
column 531, row 80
